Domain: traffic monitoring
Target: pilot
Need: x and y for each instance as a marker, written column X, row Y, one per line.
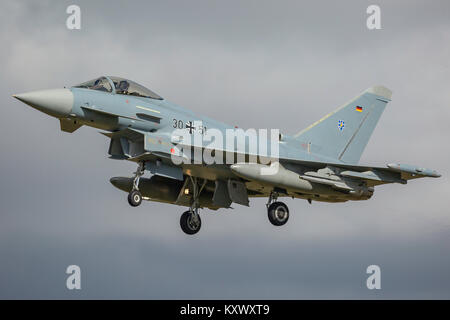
column 123, row 87
column 98, row 85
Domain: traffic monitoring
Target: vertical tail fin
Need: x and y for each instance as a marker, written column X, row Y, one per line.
column 344, row 133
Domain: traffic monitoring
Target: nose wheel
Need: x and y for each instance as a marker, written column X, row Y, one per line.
column 135, row 196
column 278, row 212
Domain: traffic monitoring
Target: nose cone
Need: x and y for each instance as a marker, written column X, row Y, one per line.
column 55, row 102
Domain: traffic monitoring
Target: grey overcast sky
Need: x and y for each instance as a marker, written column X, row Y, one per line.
column 259, row 64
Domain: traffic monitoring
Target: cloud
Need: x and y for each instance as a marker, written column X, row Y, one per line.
column 254, row 64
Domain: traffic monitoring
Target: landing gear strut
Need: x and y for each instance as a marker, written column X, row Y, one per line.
column 277, row 211
column 135, row 197
column 190, row 221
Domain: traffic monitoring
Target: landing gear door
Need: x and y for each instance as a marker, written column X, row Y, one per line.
column 221, row 197
column 238, row 192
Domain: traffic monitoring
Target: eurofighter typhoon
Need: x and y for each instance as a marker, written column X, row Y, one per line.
column 197, row 162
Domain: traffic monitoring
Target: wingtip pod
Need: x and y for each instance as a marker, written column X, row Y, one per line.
column 380, row 91
column 414, row 170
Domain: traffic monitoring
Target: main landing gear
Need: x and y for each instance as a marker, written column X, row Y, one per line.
column 190, row 221
column 277, row 211
column 135, row 196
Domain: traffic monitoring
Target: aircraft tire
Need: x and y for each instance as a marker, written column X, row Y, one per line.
column 134, row 198
column 188, row 225
column 278, row 213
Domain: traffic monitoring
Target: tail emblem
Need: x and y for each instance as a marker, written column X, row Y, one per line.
column 341, row 125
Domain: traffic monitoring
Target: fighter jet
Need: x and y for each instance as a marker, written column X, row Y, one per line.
column 319, row 163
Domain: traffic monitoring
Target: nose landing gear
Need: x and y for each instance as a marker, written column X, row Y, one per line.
column 135, row 196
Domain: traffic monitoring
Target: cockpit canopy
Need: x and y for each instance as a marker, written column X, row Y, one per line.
column 121, row 86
